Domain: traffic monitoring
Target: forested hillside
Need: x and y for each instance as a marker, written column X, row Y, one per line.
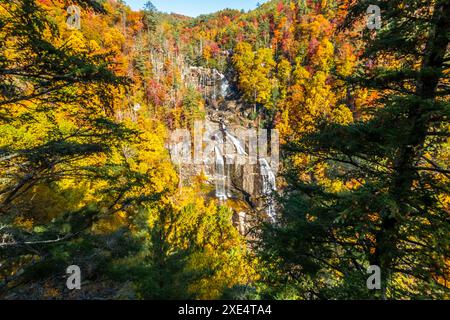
column 348, row 170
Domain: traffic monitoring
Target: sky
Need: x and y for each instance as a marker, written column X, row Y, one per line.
column 194, row 8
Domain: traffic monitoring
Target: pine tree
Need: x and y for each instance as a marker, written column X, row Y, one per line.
column 150, row 16
column 59, row 143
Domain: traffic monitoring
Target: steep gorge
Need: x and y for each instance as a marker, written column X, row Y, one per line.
column 237, row 164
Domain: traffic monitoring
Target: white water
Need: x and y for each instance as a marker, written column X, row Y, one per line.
column 269, row 185
column 237, row 144
column 221, row 177
column 242, row 222
column 268, row 177
column 224, row 87
column 221, row 75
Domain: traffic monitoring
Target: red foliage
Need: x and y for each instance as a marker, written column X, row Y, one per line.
column 312, row 47
column 214, row 47
column 280, row 6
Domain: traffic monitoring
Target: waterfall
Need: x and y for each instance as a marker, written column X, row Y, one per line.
column 224, row 87
column 269, row 185
column 237, row 144
column 221, row 75
column 242, row 223
column 220, row 176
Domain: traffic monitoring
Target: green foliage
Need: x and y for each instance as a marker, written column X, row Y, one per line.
column 86, row 178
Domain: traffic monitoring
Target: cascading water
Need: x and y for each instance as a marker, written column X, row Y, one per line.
column 269, row 185
column 220, row 177
column 237, row 144
column 224, row 87
column 223, row 138
column 223, row 84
